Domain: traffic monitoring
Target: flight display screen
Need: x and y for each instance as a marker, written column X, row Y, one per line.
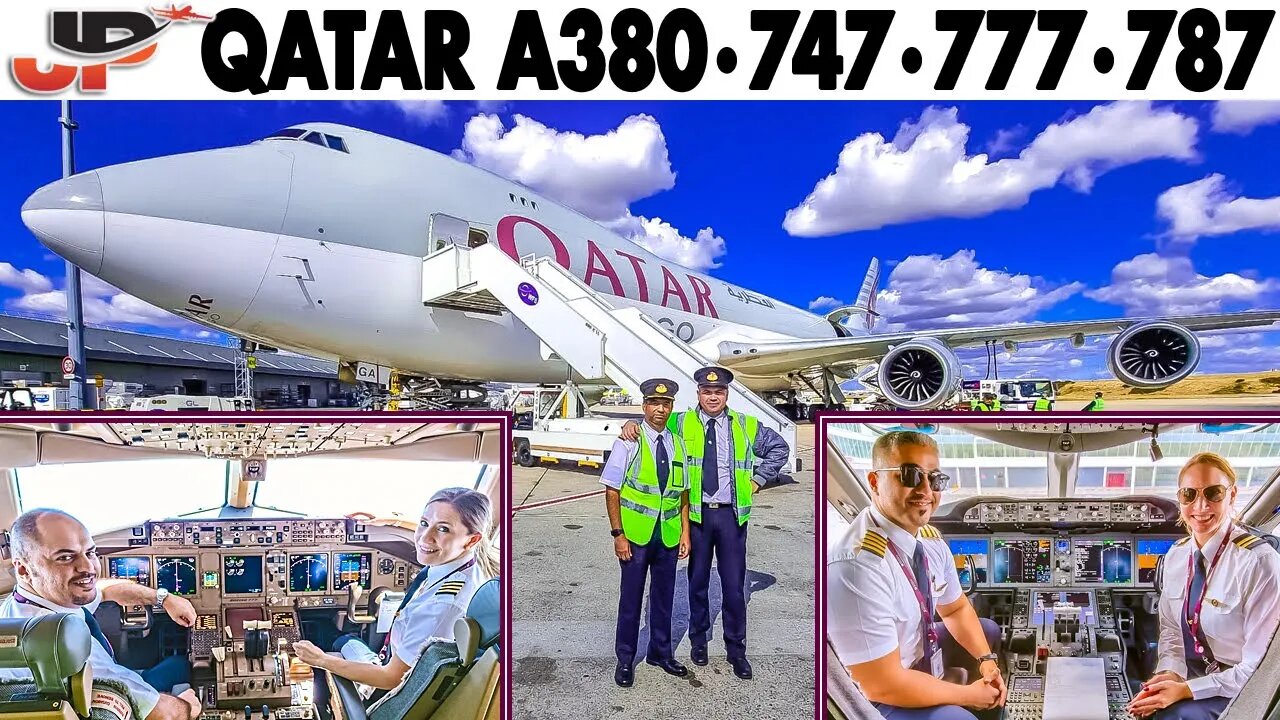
column 1149, row 553
column 309, row 573
column 1104, row 561
column 1023, row 560
column 177, row 574
column 978, row 549
column 137, row 569
column 243, row 574
column 352, row 568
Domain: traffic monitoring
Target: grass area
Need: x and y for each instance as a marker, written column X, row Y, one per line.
column 1196, row 386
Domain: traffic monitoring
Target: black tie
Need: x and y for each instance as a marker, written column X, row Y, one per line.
column 920, row 565
column 96, row 631
column 710, row 463
column 664, row 464
column 1189, row 642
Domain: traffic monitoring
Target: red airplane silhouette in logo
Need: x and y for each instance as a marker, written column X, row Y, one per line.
column 178, row 14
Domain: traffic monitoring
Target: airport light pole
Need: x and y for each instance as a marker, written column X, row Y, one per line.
column 75, row 313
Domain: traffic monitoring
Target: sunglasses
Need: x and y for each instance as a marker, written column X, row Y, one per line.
column 911, row 476
column 1213, row 493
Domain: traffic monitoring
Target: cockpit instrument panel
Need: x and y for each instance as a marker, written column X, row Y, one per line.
column 1074, row 512
column 1023, row 560
column 1103, row 561
column 177, row 574
column 242, row 574
column 137, row 569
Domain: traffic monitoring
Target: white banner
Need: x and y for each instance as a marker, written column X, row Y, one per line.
column 322, row 49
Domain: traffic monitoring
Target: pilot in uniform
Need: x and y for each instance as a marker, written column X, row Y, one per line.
column 433, row 602
column 1234, row 581
column 648, row 505
column 874, row 609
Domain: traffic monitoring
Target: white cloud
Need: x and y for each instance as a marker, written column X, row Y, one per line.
column 597, row 175
column 1240, row 117
column 1153, row 285
column 422, row 112
column 925, row 171
column 929, row 291
column 824, row 304
column 102, row 304
column 1209, row 207
column 700, row 252
column 28, row 281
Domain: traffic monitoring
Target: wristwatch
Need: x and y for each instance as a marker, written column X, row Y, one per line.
column 161, row 595
column 989, row 656
column 616, row 532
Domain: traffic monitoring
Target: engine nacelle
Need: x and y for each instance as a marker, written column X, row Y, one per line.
column 919, row 374
column 1153, row 354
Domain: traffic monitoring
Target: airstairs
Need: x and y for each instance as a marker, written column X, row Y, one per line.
column 598, row 340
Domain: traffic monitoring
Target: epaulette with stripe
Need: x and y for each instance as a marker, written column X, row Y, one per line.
column 874, row 543
column 1251, row 541
column 453, row 587
column 930, row 532
column 1183, row 541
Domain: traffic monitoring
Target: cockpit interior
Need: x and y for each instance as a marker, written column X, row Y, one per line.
column 1058, row 533
column 273, row 532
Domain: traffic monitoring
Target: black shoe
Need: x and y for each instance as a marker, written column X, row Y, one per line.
column 741, row 667
column 670, row 665
column 698, row 654
column 623, row 675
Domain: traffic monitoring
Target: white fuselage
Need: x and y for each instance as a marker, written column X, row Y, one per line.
column 319, row 251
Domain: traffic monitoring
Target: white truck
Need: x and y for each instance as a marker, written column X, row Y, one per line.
column 552, row 424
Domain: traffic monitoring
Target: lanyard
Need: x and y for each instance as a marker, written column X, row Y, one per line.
column 1193, row 618
column 926, row 617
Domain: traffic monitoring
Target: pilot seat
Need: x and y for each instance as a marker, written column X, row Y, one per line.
column 451, row 679
column 55, row 649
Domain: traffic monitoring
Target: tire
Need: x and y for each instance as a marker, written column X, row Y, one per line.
column 524, row 456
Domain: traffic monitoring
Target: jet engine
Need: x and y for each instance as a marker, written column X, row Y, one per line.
column 1153, row 354
column 919, row 374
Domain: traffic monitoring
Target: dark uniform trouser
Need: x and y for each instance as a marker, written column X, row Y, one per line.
column 953, row 655
column 658, row 562
column 719, row 534
column 1206, row 709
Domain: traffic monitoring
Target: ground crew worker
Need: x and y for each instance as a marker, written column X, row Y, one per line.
column 1217, row 619
column 723, row 446
column 891, row 564
column 993, row 401
column 647, row 499
column 1095, row 404
column 1042, row 404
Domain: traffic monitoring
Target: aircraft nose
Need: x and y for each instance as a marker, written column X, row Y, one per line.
column 68, row 218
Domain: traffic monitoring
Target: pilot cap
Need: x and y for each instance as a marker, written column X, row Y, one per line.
column 659, row 388
column 713, row 377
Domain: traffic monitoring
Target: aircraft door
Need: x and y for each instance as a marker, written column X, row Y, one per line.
column 446, row 230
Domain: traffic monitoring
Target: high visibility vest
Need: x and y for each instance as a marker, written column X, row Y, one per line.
column 744, row 428
column 1042, row 403
column 643, row 504
column 995, row 404
column 1098, row 404
column 981, row 407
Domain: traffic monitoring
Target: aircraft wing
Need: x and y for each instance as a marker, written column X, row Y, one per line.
column 780, row 357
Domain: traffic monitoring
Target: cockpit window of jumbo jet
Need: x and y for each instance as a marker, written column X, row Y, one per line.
column 1058, row 564
column 246, row 571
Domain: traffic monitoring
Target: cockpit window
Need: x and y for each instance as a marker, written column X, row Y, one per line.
column 152, row 489
column 326, row 486
column 333, row 142
column 287, row 133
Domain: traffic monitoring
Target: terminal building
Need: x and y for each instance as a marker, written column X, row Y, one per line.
column 31, row 351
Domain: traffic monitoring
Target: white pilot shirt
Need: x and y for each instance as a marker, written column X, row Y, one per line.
column 1238, row 626
column 624, row 453
column 441, row 599
column 871, row 608
column 100, row 661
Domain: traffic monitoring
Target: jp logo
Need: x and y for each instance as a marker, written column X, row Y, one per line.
column 528, row 294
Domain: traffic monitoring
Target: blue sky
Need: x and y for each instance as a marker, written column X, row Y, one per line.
column 1078, row 211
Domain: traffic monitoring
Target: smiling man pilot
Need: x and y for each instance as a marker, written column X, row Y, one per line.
column 888, row 576
column 56, row 564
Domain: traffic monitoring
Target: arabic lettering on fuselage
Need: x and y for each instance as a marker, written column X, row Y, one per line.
column 747, row 297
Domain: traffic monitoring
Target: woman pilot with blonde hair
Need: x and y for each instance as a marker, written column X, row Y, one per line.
column 1219, row 601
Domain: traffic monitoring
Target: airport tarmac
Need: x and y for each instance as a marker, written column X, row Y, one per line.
column 565, row 584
